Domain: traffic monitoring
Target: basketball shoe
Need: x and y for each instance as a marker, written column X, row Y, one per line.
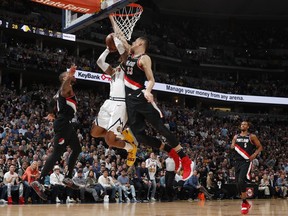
column 129, row 137
column 245, row 207
column 131, row 157
column 10, row 201
column 21, row 200
column 69, row 183
column 187, row 166
column 39, row 189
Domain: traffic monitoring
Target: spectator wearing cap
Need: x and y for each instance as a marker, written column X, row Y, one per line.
column 57, row 187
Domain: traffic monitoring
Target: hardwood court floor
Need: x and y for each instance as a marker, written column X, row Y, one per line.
column 212, row 208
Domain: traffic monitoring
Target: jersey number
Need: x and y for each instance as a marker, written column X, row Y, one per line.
column 245, row 145
column 129, row 70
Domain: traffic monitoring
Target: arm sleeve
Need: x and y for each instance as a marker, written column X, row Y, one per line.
column 101, row 60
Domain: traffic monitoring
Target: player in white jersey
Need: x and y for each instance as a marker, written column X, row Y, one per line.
column 112, row 116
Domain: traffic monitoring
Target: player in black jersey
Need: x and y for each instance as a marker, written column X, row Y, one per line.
column 65, row 134
column 247, row 147
column 141, row 106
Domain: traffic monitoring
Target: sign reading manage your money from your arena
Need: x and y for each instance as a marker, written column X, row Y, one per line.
column 98, row 77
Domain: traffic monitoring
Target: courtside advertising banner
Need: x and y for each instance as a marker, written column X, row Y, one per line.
column 86, row 6
column 98, row 77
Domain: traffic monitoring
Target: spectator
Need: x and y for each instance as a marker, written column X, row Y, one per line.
column 12, row 183
column 151, row 164
column 126, row 186
column 108, row 185
column 193, row 187
column 265, row 186
column 57, row 186
column 281, row 186
column 30, row 175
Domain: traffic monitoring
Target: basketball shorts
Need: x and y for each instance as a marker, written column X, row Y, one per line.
column 112, row 116
column 242, row 170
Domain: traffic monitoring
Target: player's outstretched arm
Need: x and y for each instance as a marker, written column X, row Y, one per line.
column 66, row 88
column 119, row 34
column 101, row 62
column 146, row 64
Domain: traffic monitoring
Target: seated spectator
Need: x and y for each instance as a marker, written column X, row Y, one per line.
column 12, row 183
column 281, row 186
column 161, row 187
column 126, row 187
column 31, row 174
column 91, row 182
column 265, row 186
column 114, row 177
column 144, row 181
column 80, row 181
column 108, row 185
column 193, row 187
column 57, row 186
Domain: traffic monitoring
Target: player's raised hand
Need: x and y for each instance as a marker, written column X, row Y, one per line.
column 50, row 117
column 72, row 70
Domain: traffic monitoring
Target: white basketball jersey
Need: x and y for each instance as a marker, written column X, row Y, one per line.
column 117, row 87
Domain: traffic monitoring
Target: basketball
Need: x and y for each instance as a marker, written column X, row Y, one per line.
column 110, row 43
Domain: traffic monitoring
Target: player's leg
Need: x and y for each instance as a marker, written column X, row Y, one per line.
column 73, row 142
column 76, row 149
column 101, row 122
column 118, row 120
column 244, row 174
column 97, row 131
column 59, row 148
column 154, row 116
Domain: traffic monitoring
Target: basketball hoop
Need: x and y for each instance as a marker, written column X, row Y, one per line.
column 127, row 17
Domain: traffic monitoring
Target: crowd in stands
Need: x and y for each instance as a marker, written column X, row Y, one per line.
column 30, row 57
column 27, row 140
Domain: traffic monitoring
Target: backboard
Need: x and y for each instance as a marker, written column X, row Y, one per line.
column 72, row 21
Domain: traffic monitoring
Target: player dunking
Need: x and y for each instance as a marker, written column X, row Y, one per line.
column 112, row 116
column 64, row 131
column 141, row 106
column 244, row 144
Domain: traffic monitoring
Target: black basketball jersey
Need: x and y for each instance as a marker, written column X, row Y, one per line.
column 244, row 147
column 66, row 107
column 134, row 75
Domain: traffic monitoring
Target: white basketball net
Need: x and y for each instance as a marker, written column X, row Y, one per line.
column 127, row 17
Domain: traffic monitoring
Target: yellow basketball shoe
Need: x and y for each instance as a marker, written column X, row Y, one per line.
column 129, row 137
column 131, row 157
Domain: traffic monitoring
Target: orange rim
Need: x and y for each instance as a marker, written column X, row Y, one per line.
column 132, row 5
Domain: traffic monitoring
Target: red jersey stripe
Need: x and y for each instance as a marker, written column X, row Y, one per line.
column 133, row 82
column 241, row 151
